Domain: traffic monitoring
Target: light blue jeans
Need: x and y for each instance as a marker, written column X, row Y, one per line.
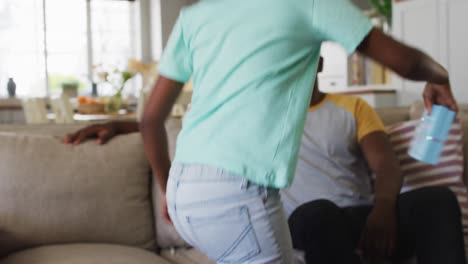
column 227, row 217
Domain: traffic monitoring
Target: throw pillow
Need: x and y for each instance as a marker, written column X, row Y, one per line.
column 449, row 171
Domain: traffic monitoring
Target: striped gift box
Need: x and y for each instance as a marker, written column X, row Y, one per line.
column 448, row 173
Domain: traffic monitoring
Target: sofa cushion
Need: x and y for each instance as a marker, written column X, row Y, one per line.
column 52, row 193
column 84, row 254
column 185, row 256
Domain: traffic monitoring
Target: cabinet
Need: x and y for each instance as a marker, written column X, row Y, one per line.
column 334, row 76
column 11, row 111
column 440, row 28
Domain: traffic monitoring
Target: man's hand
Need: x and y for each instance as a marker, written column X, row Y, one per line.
column 439, row 94
column 378, row 239
column 103, row 133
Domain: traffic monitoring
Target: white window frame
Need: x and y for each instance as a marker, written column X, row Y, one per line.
column 143, row 51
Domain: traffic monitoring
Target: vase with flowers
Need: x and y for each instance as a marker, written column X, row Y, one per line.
column 114, row 103
column 112, row 76
column 117, row 80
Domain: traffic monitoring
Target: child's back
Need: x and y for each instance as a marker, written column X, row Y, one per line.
column 253, row 64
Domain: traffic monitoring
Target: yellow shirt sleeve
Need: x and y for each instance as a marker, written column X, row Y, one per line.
column 367, row 120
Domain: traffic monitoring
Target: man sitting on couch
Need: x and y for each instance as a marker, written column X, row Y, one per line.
column 334, row 217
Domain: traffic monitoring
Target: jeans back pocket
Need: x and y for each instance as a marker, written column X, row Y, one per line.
column 228, row 237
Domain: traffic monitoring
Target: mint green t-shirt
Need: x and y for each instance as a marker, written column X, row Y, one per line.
column 253, row 65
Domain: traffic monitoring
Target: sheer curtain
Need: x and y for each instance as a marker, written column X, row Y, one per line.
column 22, row 47
column 66, row 33
column 115, row 37
column 44, row 43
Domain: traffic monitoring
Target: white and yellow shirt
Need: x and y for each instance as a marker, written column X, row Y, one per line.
column 331, row 164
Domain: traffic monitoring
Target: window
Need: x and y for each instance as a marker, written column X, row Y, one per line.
column 66, row 42
column 47, row 42
column 115, row 36
column 22, row 46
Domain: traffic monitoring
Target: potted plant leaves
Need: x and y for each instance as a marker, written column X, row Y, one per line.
column 70, row 88
column 383, row 7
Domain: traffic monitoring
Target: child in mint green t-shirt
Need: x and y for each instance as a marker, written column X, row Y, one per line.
column 253, row 66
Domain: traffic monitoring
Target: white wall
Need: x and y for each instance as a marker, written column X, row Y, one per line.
column 417, row 23
column 146, row 30
column 164, row 14
column 156, row 29
column 457, row 56
column 169, row 12
column 438, row 27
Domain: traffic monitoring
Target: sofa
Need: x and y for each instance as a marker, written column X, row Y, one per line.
column 91, row 204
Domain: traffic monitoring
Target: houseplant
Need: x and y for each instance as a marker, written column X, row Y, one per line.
column 70, row 88
column 117, row 80
column 383, row 8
